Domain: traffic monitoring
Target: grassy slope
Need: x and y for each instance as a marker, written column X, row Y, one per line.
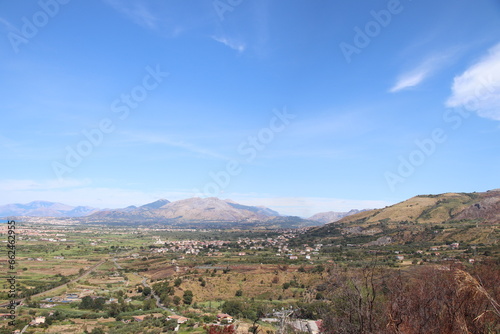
column 412, row 221
column 421, row 209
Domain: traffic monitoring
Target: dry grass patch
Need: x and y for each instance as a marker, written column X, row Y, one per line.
column 260, row 282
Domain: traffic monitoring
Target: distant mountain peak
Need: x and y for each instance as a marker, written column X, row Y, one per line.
column 156, row 204
column 333, row 216
column 195, row 209
column 45, row 209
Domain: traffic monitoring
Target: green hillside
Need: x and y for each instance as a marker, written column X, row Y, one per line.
column 472, row 218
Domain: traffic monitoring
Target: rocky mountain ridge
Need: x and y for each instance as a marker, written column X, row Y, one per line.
column 191, row 209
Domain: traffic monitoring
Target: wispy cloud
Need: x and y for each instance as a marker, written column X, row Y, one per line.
column 231, row 43
column 423, row 71
column 165, row 140
column 410, row 80
column 478, row 88
column 136, row 11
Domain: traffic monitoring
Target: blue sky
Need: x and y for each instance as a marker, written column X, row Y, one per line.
column 301, row 106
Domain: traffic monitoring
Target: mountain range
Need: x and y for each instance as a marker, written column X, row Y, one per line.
column 418, row 212
column 45, row 209
column 191, row 212
column 191, row 209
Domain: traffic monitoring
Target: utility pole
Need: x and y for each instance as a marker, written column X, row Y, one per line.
column 283, row 320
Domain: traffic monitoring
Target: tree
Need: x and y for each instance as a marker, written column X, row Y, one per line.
column 99, row 303
column 234, row 307
column 165, row 300
column 187, row 298
column 114, row 310
column 170, row 325
column 86, row 303
column 148, row 304
column 420, row 300
column 177, row 282
column 357, row 305
column 146, row 291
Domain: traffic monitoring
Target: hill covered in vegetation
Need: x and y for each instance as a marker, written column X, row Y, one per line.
column 444, row 218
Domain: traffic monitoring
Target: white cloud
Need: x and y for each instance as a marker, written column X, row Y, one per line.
column 411, row 79
column 423, row 71
column 235, row 45
column 478, row 88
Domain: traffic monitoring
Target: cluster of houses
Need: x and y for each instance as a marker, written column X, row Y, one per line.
column 214, row 247
column 96, row 242
column 193, row 247
column 281, row 244
column 54, row 239
column 454, row 245
column 295, row 254
column 436, row 252
column 260, row 243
